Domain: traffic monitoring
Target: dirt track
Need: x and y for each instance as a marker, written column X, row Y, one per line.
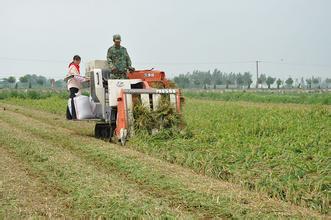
column 52, row 167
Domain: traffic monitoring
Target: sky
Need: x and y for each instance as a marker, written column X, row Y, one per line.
column 290, row 37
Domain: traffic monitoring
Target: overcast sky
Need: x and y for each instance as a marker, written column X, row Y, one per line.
column 293, row 37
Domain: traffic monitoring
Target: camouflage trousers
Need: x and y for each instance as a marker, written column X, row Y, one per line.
column 119, row 75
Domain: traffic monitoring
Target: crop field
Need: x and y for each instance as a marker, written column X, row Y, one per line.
column 234, row 159
column 268, row 96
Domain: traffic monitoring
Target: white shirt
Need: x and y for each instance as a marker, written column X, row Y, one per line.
column 73, row 82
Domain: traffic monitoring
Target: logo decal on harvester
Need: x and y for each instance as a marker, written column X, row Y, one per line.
column 149, row 75
column 120, row 84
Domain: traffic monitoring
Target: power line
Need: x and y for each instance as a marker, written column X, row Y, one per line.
column 174, row 63
column 192, row 63
column 160, row 63
column 298, row 64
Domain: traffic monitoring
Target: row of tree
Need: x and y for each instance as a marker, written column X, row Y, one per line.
column 30, row 81
column 196, row 79
column 218, row 79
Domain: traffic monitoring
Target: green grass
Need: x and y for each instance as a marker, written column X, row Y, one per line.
column 103, row 180
column 282, row 150
column 129, row 168
column 85, row 189
column 30, row 94
column 264, row 97
column 53, row 104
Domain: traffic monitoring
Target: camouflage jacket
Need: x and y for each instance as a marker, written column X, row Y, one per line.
column 118, row 57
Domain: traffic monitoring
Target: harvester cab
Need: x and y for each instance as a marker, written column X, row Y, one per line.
column 114, row 99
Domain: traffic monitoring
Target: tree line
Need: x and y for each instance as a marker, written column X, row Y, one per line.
column 31, row 81
column 196, row 79
column 219, row 79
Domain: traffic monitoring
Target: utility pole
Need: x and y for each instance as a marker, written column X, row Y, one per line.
column 257, row 74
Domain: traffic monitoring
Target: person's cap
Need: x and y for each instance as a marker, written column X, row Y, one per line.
column 117, row 37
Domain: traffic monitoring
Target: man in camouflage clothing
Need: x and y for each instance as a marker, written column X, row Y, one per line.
column 118, row 59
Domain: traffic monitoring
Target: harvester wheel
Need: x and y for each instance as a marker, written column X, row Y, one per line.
column 103, row 131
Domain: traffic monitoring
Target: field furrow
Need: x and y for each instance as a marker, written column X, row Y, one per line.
column 23, row 193
column 88, row 191
column 272, row 148
column 181, row 187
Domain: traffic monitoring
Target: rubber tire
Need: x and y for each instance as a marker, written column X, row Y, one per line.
column 103, row 131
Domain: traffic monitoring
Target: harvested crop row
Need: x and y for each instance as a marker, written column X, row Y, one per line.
column 148, row 180
column 87, row 191
column 262, row 147
column 25, row 194
column 103, row 156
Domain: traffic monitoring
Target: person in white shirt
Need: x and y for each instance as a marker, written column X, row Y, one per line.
column 74, row 84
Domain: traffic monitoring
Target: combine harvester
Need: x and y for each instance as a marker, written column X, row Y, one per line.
column 114, row 99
